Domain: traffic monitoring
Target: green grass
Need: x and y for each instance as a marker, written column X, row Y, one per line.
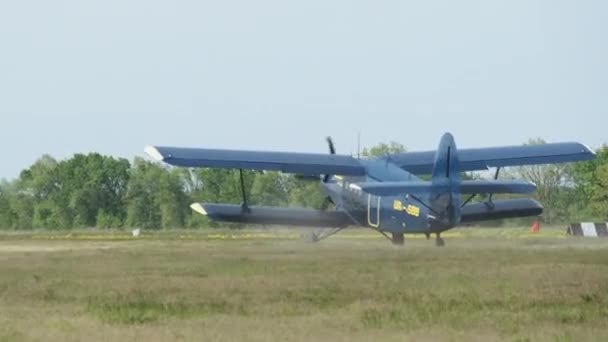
column 258, row 234
column 139, row 308
column 483, row 286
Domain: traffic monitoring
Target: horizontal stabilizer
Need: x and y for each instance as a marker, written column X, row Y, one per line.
column 466, row 187
column 273, row 215
column 300, row 163
column 483, row 158
column 500, row 209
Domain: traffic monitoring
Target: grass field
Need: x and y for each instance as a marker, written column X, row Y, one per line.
column 486, row 285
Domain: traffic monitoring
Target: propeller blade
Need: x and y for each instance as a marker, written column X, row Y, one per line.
column 332, row 148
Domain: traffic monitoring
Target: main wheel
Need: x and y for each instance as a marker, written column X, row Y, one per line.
column 398, row 239
column 439, row 242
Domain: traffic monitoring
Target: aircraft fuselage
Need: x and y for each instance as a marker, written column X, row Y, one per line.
column 393, row 214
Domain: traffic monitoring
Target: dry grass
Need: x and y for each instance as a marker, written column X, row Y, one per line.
column 350, row 288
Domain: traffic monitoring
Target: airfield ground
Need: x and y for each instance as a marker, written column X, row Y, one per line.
column 486, row 285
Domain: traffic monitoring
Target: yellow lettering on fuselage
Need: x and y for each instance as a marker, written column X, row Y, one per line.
column 410, row 209
column 413, row 210
column 397, row 205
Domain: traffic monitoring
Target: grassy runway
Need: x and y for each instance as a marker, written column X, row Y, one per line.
column 260, row 286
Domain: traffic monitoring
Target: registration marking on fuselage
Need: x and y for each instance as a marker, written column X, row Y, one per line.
column 411, row 210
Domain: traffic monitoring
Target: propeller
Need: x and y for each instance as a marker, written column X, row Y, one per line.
column 332, row 150
column 330, row 143
column 325, row 179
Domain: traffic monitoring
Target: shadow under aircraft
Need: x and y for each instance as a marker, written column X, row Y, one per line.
column 385, row 194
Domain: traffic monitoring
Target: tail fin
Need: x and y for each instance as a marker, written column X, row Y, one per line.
column 446, row 160
column 446, row 174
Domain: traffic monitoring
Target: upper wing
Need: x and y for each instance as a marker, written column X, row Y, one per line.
column 302, row 163
column 483, row 158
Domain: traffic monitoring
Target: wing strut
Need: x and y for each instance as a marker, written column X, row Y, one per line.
column 495, row 178
column 468, row 200
column 425, row 205
column 244, row 205
column 489, row 202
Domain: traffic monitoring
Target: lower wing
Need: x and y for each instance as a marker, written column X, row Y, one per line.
column 500, row 209
column 273, row 215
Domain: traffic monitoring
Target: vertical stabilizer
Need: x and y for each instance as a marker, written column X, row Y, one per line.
column 446, row 171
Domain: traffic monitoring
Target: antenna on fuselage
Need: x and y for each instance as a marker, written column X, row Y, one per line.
column 359, row 145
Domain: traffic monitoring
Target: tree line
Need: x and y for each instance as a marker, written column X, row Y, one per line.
column 93, row 190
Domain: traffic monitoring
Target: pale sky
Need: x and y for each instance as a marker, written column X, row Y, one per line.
column 114, row 76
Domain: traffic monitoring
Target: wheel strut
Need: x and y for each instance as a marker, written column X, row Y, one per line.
column 320, row 236
column 244, row 205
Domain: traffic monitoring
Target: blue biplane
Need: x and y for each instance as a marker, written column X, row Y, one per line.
column 385, row 194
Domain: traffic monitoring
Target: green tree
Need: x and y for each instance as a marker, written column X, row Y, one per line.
column 589, row 198
column 271, row 189
column 22, row 209
column 6, row 215
column 33, row 195
column 43, row 184
column 73, row 192
column 221, row 185
column 306, row 194
column 41, row 180
column 91, row 183
column 383, row 149
column 156, row 197
column 106, row 220
column 172, row 200
column 142, row 210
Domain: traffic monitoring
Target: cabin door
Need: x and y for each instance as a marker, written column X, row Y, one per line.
column 373, row 211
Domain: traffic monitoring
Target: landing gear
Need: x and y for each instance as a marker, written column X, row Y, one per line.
column 244, row 205
column 439, row 242
column 323, row 234
column 398, row 239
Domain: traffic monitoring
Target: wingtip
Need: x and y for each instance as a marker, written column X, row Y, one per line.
column 199, row 208
column 588, row 149
column 154, row 153
column 531, row 187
